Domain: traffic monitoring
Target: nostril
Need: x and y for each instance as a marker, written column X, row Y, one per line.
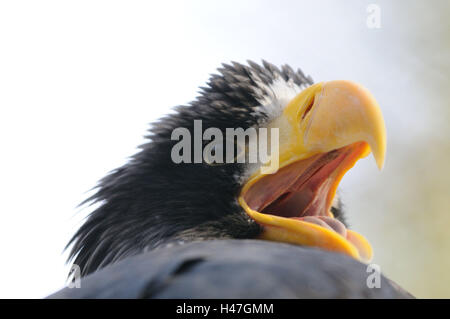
column 308, row 108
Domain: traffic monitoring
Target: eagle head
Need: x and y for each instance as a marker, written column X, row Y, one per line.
column 196, row 178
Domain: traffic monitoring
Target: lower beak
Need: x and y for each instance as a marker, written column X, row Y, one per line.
column 323, row 132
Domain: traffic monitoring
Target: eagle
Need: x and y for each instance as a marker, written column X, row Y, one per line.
column 182, row 220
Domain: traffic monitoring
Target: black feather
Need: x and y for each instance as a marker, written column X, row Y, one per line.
column 151, row 201
column 234, row 269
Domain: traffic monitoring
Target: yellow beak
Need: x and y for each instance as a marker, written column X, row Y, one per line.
column 323, row 131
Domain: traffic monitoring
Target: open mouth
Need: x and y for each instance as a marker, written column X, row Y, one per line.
column 304, row 191
column 294, row 204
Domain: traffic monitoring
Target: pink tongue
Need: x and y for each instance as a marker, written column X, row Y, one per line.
column 327, row 222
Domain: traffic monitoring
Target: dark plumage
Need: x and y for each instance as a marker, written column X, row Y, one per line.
column 233, row 269
column 151, row 201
